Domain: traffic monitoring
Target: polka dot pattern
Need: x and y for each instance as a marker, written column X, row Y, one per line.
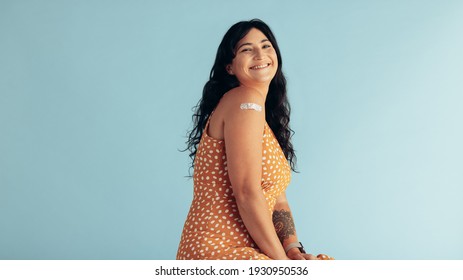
column 213, row 229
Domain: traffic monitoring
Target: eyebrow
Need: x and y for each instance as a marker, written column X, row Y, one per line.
column 245, row 44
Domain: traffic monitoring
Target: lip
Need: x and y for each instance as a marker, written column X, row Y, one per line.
column 260, row 66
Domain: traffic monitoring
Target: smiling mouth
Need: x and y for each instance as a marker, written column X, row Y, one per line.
column 256, row 67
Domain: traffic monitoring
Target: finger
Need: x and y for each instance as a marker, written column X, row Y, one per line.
column 309, row 257
column 296, row 256
column 324, row 257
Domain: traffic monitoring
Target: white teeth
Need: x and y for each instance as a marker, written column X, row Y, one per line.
column 260, row 66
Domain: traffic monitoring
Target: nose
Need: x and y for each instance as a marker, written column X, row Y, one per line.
column 258, row 55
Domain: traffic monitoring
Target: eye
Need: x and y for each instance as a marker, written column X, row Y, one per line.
column 266, row 46
column 246, row 50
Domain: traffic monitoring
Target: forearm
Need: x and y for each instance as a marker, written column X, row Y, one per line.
column 284, row 224
column 256, row 218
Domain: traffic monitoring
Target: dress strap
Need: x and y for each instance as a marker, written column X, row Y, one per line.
column 208, row 120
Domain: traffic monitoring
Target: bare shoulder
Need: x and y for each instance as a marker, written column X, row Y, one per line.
column 239, row 100
column 242, row 94
column 231, row 110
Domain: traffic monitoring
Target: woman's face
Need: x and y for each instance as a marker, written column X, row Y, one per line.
column 255, row 60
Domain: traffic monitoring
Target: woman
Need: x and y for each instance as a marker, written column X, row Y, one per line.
column 242, row 155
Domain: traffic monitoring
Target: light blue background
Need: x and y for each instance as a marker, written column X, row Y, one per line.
column 96, row 98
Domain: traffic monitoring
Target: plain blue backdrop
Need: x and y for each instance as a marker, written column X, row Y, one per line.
column 96, row 98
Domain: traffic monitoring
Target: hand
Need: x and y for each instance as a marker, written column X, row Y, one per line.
column 295, row 254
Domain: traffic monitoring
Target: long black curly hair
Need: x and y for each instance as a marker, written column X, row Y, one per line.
column 277, row 108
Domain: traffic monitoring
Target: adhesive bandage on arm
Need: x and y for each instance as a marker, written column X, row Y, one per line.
column 251, row 106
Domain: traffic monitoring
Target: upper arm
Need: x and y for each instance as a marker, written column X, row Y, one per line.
column 243, row 132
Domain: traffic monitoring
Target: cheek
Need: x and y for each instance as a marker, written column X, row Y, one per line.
column 274, row 55
column 275, row 58
column 242, row 66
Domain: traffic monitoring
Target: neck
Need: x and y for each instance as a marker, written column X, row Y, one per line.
column 261, row 88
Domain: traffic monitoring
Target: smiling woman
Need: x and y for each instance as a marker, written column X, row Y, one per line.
column 255, row 61
column 242, row 155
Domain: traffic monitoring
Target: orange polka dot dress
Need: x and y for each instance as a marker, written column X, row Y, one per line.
column 213, row 229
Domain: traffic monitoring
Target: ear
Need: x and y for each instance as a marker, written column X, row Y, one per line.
column 229, row 69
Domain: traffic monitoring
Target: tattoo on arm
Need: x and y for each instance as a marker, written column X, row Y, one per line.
column 284, row 224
